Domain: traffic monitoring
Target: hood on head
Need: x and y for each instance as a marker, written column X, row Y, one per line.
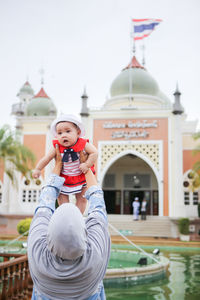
column 66, row 235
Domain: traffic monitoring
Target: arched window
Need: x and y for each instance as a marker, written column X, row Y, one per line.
column 191, row 190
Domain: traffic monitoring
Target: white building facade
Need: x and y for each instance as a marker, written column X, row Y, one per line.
column 144, row 142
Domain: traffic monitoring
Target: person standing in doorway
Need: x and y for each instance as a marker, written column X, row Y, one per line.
column 136, row 206
column 143, row 209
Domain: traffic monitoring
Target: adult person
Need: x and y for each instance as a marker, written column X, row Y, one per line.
column 136, row 206
column 68, row 256
column 143, row 209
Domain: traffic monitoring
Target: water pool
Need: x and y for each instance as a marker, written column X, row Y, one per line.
column 122, row 258
column 134, row 267
column 182, row 281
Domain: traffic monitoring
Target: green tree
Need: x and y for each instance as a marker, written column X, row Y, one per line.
column 18, row 156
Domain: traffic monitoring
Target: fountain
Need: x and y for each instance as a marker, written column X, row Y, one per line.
column 134, row 267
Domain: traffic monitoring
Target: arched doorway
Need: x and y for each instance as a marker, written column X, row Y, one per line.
column 129, row 177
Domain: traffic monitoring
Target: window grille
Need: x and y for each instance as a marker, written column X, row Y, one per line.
column 30, row 196
column 191, row 194
column 31, row 190
column 186, row 198
column 195, row 198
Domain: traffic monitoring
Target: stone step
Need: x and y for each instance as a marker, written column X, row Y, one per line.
column 153, row 227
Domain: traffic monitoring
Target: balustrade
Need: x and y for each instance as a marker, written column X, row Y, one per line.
column 15, row 280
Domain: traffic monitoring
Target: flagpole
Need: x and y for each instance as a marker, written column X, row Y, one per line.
column 133, row 40
column 143, row 54
column 132, row 51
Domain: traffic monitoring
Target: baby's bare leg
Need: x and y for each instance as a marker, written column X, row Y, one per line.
column 81, row 201
column 63, row 199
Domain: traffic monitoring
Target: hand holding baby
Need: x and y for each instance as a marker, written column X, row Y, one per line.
column 84, row 168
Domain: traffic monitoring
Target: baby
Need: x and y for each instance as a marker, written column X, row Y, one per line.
column 68, row 131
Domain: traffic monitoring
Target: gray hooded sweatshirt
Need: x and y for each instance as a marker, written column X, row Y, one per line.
column 68, row 255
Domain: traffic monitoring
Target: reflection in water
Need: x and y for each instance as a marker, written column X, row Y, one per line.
column 182, row 282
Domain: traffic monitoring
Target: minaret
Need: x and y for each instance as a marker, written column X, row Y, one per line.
column 25, row 94
column 84, row 108
column 177, row 107
column 178, row 204
column 85, row 111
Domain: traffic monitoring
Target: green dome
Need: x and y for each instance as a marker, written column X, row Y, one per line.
column 41, row 105
column 141, row 83
column 26, row 89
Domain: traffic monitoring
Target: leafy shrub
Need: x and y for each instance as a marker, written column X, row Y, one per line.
column 24, row 225
column 183, row 225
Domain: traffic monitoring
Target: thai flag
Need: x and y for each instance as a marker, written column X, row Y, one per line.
column 143, row 27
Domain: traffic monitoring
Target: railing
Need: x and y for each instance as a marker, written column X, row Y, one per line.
column 18, row 108
column 15, row 280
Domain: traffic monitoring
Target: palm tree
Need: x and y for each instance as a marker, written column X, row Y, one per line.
column 11, row 150
column 196, row 166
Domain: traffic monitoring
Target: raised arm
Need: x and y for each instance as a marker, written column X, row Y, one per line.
column 58, row 162
column 89, row 176
column 37, row 240
column 94, row 193
column 54, row 183
column 43, row 162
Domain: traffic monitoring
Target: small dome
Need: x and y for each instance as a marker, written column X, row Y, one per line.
column 26, row 89
column 41, row 105
column 134, row 79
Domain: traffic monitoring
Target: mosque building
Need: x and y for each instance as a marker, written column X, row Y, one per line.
column 144, row 141
column 145, row 146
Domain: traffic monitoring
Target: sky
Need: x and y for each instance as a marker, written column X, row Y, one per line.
column 86, row 43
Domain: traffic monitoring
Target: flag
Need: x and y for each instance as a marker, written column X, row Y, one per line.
column 143, row 27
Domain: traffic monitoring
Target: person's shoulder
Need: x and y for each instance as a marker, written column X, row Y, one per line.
column 96, row 217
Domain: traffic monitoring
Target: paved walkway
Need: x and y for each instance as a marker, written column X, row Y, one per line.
column 150, row 241
column 7, row 233
column 116, row 239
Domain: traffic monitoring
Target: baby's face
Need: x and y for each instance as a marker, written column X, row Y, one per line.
column 67, row 133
